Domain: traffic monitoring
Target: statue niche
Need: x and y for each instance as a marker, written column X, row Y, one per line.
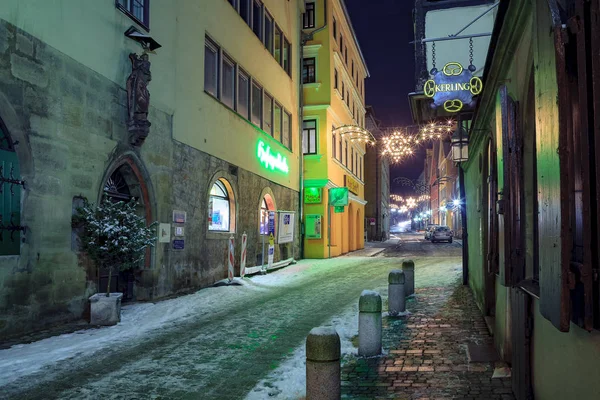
column 138, row 99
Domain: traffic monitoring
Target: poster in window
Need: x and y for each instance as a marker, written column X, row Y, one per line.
column 285, row 232
column 313, row 226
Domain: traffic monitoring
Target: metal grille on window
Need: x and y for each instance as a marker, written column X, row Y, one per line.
column 10, row 193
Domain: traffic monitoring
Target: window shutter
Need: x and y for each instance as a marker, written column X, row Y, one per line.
column 10, row 212
column 512, row 272
column 551, row 131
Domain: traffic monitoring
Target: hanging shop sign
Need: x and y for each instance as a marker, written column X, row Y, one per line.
column 352, row 184
column 312, row 195
column 271, row 159
column 313, row 226
column 285, row 229
column 338, row 196
column 452, row 87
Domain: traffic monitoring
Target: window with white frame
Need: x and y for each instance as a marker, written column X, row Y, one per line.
column 309, row 136
column 269, row 28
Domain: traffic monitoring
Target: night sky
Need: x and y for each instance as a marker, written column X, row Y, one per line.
column 384, row 29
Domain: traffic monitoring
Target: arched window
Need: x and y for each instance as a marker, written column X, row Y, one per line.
column 266, row 205
column 219, row 208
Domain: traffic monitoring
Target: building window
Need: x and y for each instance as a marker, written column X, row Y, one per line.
column 278, row 41
column 334, row 29
column 277, row 121
column 256, row 104
column 335, row 79
column 245, row 11
column 211, row 67
column 287, row 130
column 243, row 99
column 346, row 153
column 309, row 16
column 218, row 208
column 352, row 160
column 334, row 144
column 268, row 39
column 353, row 68
column 268, row 114
column 340, row 148
column 341, row 43
column 257, row 18
column 308, row 70
column 309, row 137
column 266, row 206
column 228, row 83
column 287, row 55
column 138, row 10
column 346, row 55
column 343, row 90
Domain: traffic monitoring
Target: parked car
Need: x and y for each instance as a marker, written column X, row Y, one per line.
column 441, row 233
column 429, row 230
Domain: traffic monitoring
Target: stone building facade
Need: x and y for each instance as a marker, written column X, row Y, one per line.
column 63, row 120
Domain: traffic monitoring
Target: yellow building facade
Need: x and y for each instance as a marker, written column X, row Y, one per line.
column 333, row 135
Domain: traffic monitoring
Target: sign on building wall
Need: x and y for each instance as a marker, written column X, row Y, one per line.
column 352, row 184
column 179, row 217
column 338, row 196
column 312, row 195
column 270, row 159
column 452, row 87
column 313, row 226
column 285, row 232
column 164, row 233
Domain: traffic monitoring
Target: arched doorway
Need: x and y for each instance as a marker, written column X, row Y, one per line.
column 124, row 182
column 267, row 207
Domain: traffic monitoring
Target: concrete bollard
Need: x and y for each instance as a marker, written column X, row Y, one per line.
column 408, row 267
column 396, row 296
column 369, row 324
column 323, row 379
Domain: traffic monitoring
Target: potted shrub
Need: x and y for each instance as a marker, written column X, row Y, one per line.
column 114, row 237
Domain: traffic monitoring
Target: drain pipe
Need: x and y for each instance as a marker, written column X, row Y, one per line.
column 304, row 38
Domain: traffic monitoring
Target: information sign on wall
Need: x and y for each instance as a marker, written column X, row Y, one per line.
column 285, row 231
column 179, row 217
column 452, row 87
column 338, row 196
column 313, row 226
column 312, row 195
column 271, row 224
column 352, row 184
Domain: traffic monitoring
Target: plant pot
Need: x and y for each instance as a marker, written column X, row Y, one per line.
column 105, row 310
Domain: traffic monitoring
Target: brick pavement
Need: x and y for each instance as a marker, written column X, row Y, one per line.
column 425, row 353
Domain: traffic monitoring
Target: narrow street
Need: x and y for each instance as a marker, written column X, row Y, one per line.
column 222, row 352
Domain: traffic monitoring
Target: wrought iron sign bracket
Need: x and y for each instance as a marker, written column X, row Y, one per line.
column 10, row 180
column 12, row 228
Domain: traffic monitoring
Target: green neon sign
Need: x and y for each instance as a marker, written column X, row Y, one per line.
column 270, row 159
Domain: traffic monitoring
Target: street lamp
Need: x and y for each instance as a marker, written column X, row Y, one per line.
column 460, row 144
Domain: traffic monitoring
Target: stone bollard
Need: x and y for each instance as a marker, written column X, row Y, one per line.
column 408, row 267
column 323, row 379
column 396, row 296
column 369, row 324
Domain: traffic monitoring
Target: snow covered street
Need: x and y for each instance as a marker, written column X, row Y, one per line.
column 229, row 342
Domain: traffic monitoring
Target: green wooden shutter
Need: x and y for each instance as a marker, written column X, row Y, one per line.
column 10, row 206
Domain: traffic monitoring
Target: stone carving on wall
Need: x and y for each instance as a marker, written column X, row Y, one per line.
column 138, row 99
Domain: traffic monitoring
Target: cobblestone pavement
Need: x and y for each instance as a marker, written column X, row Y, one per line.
column 426, row 355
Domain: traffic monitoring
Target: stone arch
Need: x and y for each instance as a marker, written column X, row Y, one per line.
column 135, row 178
column 231, row 186
column 134, row 182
